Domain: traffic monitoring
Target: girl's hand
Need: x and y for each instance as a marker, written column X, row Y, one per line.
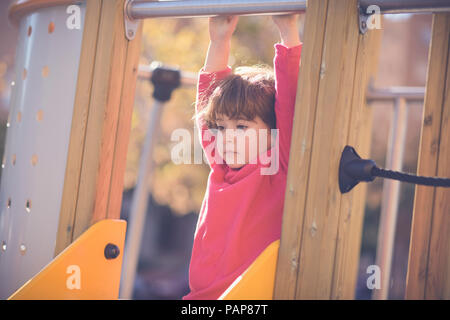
column 285, row 21
column 221, row 28
column 288, row 27
column 220, row 31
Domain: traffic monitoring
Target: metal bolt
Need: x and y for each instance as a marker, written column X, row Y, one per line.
column 364, row 24
column 23, row 249
column 28, row 206
column 130, row 33
column 111, row 251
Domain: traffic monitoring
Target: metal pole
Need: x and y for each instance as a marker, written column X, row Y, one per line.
column 139, row 9
column 407, row 6
column 139, row 207
column 389, row 205
column 207, row 8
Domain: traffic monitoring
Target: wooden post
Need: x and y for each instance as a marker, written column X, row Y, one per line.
column 101, row 121
column 429, row 265
column 320, row 242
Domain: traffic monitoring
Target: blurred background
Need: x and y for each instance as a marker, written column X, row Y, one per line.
column 176, row 191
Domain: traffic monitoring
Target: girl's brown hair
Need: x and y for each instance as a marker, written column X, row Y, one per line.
column 247, row 93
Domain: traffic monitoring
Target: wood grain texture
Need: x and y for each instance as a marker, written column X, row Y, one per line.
column 428, row 275
column 321, row 230
column 79, row 125
column 351, row 214
column 124, row 126
column 100, row 132
column 104, row 118
column 300, row 154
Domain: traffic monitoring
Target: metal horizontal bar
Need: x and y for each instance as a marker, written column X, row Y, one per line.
column 392, row 93
column 207, row 8
column 373, row 94
column 407, row 6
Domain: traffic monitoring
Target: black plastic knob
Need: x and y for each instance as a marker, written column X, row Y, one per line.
column 111, row 251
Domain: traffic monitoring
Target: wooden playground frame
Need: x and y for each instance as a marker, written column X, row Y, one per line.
column 321, row 233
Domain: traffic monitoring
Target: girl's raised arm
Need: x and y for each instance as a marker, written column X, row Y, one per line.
column 220, row 31
column 215, row 68
column 286, row 65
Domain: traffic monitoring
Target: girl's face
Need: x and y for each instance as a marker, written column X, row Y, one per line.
column 240, row 141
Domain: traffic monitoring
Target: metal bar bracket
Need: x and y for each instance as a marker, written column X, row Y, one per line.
column 130, row 25
column 362, row 20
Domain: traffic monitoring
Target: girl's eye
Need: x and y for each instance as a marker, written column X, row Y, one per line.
column 220, row 128
column 241, row 127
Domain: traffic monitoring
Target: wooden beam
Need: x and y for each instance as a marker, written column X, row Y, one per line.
column 79, row 123
column 353, row 204
column 321, row 230
column 428, row 274
column 101, row 122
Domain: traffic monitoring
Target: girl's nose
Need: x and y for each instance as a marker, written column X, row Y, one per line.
column 230, row 135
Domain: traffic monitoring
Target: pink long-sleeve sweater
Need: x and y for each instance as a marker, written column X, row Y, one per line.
column 242, row 209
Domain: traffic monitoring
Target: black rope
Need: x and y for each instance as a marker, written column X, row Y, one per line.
column 353, row 170
column 401, row 176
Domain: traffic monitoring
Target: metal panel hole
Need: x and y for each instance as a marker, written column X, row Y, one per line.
column 13, row 160
column 24, row 74
column 51, row 27
column 28, row 206
column 3, row 246
column 8, row 203
column 40, row 115
column 34, row 159
column 19, row 116
column 45, row 71
column 30, row 29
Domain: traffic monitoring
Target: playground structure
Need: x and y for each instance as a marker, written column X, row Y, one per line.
column 81, row 156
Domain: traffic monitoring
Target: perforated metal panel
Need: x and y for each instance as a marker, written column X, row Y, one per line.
column 37, row 141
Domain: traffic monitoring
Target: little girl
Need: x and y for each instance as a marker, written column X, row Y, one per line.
column 242, row 209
